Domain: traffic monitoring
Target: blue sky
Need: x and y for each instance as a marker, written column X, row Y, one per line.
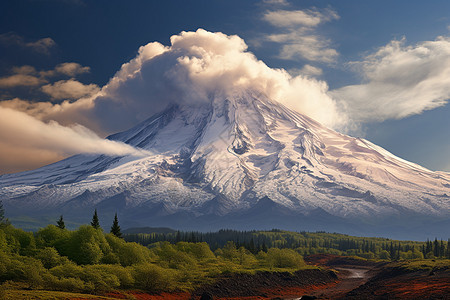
column 352, row 46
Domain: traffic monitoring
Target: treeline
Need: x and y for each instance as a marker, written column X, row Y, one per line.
column 305, row 243
column 89, row 260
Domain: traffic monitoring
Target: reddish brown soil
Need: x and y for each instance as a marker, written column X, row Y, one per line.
column 145, row 296
column 394, row 283
column 266, row 285
column 330, row 260
column 347, row 278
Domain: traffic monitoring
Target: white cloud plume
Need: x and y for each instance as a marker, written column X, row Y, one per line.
column 299, row 39
column 199, row 64
column 195, row 66
column 20, row 130
column 42, row 45
column 400, row 81
column 70, row 89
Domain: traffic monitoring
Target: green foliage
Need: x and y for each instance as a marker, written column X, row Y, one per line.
column 171, row 257
column 88, row 260
column 152, row 277
column 305, row 243
column 52, row 236
column 284, row 258
column 125, row 253
column 87, row 245
column 422, row 264
column 19, row 241
column 50, row 257
column 22, row 268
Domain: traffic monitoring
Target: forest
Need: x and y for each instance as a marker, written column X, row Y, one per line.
column 90, row 260
column 304, row 243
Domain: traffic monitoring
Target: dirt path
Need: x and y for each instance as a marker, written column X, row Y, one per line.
column 349, row 279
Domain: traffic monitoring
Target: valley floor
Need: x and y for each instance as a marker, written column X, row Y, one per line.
column 339, row 278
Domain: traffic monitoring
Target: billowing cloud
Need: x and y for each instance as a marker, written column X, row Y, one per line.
column 51, row 140
column 299, row 38
column 399, row 81
column 42, row 45
column 70, row 89
column 197, row 65
column 194, row 68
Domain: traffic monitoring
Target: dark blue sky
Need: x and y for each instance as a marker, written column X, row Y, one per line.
column 105, row 34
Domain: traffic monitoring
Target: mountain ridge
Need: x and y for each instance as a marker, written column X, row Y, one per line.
column 221, row 158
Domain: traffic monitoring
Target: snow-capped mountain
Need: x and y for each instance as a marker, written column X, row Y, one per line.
column 241, row 161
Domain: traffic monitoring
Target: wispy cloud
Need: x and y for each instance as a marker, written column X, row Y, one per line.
column 50, row 141
column 71, row 69
column 70, row 89
column 307, row 70
column 17, row 80
column 42, row 45
column 27, row 76
column 399, row 81
column 299, row 37
column 295, row 18
column 276, row 2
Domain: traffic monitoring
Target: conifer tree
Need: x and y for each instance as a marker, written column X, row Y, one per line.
column 115, row 228
column 95, row 222
column 3, row 219
column 60, row 223
column 2, row 212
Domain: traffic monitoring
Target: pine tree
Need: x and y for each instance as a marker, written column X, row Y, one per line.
column 448, row 249
column 2, row 212
column 115, row 228
column 95, row 223
column 3, row 219
column 60, row 223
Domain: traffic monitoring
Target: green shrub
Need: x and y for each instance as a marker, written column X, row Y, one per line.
column 284, row 258
column 50, row 257
column 170, row 257
column 154, row 278
column 200, row 251
column 87, row 245
column 127, row 254
column 52, row 236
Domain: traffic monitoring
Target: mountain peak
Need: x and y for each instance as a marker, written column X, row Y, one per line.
column 220, row 157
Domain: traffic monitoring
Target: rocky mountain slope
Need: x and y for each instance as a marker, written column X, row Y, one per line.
column 240, row 161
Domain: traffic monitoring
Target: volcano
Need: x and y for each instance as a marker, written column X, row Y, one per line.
column 239, row 161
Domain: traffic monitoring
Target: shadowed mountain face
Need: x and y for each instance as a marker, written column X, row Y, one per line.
column 241, row 161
